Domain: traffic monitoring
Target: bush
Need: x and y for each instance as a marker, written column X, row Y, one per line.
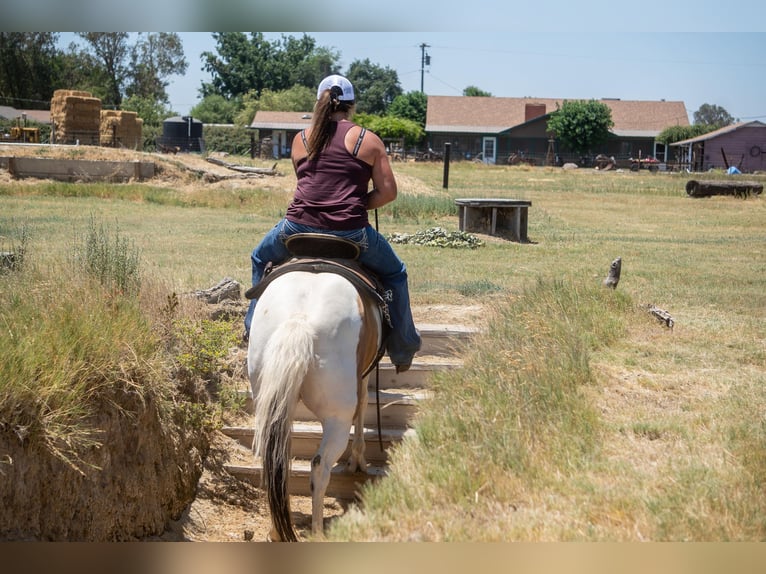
column 234, row 140
column 110, row 258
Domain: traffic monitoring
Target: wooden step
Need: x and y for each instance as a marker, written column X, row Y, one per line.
column 307, row 436
column 397, row 407
column 444, row 340
column 400, row 397
column 344, row 485
column 416, row 377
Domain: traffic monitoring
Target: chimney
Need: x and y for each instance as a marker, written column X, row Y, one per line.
column 532, row 111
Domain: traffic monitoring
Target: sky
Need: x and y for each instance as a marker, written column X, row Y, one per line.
column 727, row 69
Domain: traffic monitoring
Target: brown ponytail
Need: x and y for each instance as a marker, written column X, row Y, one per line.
column 322, row 126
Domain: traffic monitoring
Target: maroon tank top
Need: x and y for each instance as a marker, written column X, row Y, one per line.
column 332, row 189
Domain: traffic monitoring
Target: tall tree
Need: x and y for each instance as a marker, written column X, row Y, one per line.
column 111, row 49
column 27, row 68
column 713, row 116
column 374, row 87
column 319, row 64
column 581, row 125
column 79, row 70
column 153, row 58
column 251, row 63
column 241, row 64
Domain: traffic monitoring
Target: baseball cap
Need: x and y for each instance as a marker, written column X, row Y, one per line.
column 345, row 86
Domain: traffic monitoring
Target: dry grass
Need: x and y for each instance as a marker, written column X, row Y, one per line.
column 673, row 436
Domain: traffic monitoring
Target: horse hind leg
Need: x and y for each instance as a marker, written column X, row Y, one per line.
column 334, row 442
column 357, row 462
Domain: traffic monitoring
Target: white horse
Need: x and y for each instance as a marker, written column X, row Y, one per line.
column 312, row 337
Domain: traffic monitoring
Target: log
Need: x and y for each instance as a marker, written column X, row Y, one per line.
column 706, row 188
column 226, row 289
column 244, row 168
column 661, row 315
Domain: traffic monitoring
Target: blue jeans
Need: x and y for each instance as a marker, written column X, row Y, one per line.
column 376, row 254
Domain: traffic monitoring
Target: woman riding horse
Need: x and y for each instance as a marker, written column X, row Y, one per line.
column 334, row 161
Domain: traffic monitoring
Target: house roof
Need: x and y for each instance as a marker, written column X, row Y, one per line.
column 721, row 131
column 39, row 116
column 281, row 120
column 476, row 114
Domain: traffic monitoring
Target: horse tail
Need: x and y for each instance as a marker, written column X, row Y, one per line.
column 286, row 360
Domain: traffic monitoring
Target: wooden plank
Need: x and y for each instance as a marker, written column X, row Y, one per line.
column 307, row 436
column 397, row 409
column 397, row 406
column 343, row 484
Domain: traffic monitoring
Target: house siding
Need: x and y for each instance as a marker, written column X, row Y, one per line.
column 737, row 146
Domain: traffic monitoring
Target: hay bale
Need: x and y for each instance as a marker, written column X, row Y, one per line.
column 121, row 129
column 76, row 117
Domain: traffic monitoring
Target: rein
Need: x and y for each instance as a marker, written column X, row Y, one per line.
column 377, row 378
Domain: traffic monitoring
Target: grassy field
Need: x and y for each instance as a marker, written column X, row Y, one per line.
column 581, row 417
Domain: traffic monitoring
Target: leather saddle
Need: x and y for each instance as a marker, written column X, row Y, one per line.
column 322, row 253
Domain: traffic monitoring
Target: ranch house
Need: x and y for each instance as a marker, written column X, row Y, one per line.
column 493, row 129
column 741, row 145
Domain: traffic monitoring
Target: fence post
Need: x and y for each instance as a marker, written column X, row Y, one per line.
column 445, row 184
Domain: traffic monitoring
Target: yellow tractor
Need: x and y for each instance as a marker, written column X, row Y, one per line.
column 25, row 135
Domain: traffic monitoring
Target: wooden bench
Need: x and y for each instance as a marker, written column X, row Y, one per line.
column 503, row 217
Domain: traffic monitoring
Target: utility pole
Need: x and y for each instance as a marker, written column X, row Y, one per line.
column 425, row 60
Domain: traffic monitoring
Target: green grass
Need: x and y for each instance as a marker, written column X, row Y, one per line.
column 576, row 417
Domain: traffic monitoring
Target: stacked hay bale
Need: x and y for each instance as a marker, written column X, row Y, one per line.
column 121, row 129
column 76, row 117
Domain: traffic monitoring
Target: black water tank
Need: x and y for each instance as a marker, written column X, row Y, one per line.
column 182, row 132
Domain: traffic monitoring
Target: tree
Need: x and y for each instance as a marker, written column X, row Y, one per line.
column 673, row 134
column 474, row 91
column 252, row 63
column 112, row 69
column 153, row 58
column 318, row 65
column 581, row 125
column 150, row 110
column 390, row 127
column 411, row 106
column 374, row 87
column 713, row 115
column 111, row 50
column 215, row 109
column 295, row 99
column 27, row 68
column 80, row 70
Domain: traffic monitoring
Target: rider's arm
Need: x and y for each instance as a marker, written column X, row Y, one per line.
column 383, row 180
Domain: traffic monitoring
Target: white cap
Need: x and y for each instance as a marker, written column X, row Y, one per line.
column 346, row 89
